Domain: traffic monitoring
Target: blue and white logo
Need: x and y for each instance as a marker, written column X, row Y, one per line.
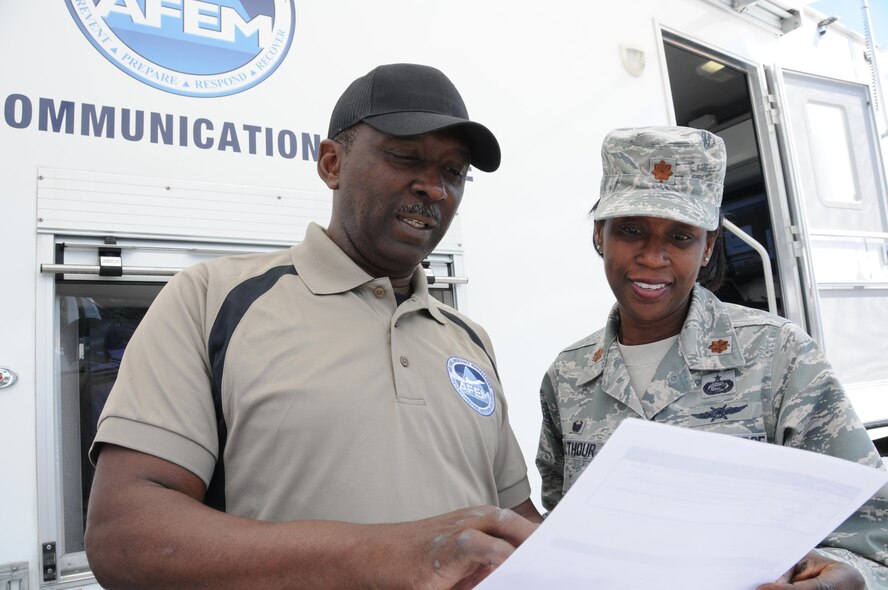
column 472, row 385
column 190, row 47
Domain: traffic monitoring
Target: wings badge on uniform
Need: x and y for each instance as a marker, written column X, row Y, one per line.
column 721, row 413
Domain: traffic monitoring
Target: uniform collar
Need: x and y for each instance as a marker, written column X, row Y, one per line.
column 707, row 340
column 600, row 342
column 327, row 270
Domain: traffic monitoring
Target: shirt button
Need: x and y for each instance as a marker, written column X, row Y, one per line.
column 379, row 292
column 404, row 361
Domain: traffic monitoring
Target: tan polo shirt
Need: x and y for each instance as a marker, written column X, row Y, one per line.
column 336, row 403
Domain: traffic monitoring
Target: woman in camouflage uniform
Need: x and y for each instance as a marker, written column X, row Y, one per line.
column 673, row 353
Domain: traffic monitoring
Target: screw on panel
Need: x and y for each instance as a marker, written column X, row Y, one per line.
column 49, row 562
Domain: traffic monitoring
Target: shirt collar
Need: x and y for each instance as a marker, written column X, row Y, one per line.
column 323, row 266
column 326, row 270
column 420, row 298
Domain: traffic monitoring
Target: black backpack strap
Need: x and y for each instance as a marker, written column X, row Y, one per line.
column 472, row 334
column 230, row 314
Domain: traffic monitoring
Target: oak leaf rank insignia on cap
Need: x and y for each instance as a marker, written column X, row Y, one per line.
column 662, row 171
column 668, row 172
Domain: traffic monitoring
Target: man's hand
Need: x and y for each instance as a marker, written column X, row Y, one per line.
column 147, row 528
column 818, row 572
column 455, row 550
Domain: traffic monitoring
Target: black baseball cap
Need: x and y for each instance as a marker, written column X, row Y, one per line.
column 409, row 99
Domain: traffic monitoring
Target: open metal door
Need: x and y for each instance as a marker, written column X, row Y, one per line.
column 728, row 96
column 835, row 178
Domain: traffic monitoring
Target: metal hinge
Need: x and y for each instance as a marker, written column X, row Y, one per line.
column 14, row 576
column 772, row 111
column 742, row 5
column 791, row 22
column 798, row 248
column 790, row 19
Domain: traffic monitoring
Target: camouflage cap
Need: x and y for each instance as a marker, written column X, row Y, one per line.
column 672, row 172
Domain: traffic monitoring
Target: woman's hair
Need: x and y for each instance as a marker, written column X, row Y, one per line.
column 712, row 274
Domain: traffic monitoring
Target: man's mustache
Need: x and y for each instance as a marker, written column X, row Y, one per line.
column 421, row 209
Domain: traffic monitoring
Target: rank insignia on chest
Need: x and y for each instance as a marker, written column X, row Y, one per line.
column 577, row 426
column 719, row 345
column 721, row 383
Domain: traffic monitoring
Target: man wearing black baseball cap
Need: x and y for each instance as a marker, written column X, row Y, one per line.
column 408, row 100
column 313, row 417
column 409, row 123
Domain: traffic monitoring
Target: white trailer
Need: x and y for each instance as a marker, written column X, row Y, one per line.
column 141, row 136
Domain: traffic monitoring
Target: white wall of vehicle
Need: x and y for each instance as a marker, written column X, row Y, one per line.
column 546, row 78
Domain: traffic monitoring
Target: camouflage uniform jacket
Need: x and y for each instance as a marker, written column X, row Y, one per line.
column 733, row 370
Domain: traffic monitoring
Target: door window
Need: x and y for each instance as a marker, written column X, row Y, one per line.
column 831, row 154
column 94, row 324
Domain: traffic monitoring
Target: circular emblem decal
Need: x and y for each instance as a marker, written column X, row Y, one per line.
column 718, row 386
column 472, row 384
column 190, row 47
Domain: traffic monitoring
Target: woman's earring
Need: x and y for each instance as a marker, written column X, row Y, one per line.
column 706, row 261
column 598, row 248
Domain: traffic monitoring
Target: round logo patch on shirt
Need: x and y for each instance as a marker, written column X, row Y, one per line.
column 472, row 384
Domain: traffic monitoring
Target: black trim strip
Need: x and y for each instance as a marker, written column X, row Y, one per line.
column 473, row 335
column 233, row 309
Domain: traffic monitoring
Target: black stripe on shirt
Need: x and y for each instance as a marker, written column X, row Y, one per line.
column 230, row 314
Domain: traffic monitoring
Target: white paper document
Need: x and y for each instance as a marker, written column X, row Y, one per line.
column 669, row 507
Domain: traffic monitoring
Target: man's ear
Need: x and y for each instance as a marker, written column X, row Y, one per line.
column 330, row 156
